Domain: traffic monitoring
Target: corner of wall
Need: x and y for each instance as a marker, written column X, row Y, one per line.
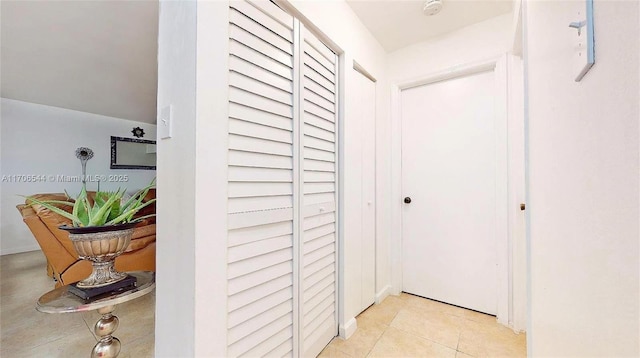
column 348, row 329
column 380, row 296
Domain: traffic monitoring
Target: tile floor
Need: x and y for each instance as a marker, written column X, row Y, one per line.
column 404, row 326
column 25, row 332
column 412, row 326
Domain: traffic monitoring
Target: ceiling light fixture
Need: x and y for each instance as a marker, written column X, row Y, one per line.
column 432, row 7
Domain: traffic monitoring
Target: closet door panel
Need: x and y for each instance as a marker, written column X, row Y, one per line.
column 282, row 174
column 318, row 200
column 260, row 270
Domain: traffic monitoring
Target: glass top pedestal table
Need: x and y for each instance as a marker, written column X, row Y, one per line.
column 61, row 300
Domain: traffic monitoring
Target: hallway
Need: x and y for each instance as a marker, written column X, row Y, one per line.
column 412, row 326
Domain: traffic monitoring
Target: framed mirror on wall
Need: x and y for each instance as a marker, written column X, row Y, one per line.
column 131, row 153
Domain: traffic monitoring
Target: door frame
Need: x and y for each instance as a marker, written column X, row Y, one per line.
column 505, row 277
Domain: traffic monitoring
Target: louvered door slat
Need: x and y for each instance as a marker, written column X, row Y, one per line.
column 312, row 53
column 270, row 273
column 283, row 350
column 243, row 39
column 260, row 189
column 315, row 244
column 267, row 175
column 245, row 313
column 311, row 40
column 318, row 153
column 254, row 56
column 240, row 268
column 265, row 104
column 319, row 68
column 254, row 219
column 274, row 12
column 318, row 89
column 318, row 265
column 319, row 100
column 246, row 113
column 252, row 345
column 257, row 322
column 258, row 248
column 261, row 232
column 240, row 205
column 246, row 128
column 318, row 111
column 282, row 28
column 259, row 160
column 271, row 343
column 316, row 132
column 239, row 65
column 258, row 145
column 321, row 123
column 240, row 189
column 249, row 84
column 314, row 76
column 320, row 144
column 263, row 32
column 317, row 232
column 312, row 210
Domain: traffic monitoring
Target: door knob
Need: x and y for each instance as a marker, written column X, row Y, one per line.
column 407, row 200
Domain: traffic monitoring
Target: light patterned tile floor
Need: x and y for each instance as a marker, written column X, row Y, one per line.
column 412, row 326
column 401, row 326
column 25, row 332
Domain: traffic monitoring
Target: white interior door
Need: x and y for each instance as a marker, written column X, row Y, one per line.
column 366, row 105
column 449, row 173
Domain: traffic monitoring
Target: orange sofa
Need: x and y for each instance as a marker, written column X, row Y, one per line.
column 64, row 265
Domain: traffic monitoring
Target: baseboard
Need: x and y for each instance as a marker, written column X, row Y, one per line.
column 380, row 296
column 348, row 329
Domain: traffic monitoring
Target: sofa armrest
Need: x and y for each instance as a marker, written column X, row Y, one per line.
column 57, row 255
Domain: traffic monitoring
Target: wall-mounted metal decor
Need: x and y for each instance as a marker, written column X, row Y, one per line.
column 138, row 132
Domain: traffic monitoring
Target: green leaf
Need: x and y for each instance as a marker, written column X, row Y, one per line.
column 51, row 207
column 128, row 214
column 115, row 210
column 143, row 217
column 102, row 213
column 138, row 196
column 59, row 202
column 98, row 199
column 81, row 209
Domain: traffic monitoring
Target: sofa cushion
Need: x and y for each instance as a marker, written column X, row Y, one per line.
column 53, row 221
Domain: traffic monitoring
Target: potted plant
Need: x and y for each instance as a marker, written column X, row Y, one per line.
column 101, row 228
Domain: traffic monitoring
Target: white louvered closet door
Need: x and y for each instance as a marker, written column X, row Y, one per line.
column 260, row 205
column 282, row 186
column 318, row 202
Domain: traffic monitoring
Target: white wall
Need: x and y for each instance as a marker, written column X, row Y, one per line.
column 41, row 141
column 175, row 252
column 470, row 44
column 192, row 181
column 583, row 183
column 340, row 25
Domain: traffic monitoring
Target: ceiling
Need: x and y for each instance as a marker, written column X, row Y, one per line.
column 101, row 56
column 92, row 56
column 399, row 23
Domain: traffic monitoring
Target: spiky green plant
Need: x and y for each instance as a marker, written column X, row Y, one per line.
column 108, row 207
